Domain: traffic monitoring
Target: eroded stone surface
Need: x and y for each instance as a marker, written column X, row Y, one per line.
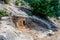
column 9, row 33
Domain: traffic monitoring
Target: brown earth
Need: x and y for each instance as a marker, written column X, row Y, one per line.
column 55, row 36
column 28, row 30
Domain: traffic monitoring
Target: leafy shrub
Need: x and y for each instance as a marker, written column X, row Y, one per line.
column 44, row 7
column 17, row 2
column 21, row 2
column 7, row 1
column 3, row 13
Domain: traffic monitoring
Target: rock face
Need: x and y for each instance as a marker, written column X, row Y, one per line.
column 2, row 37
column 10, row 33
column 7, row 32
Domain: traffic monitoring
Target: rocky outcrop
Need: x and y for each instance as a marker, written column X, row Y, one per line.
column 7, row 32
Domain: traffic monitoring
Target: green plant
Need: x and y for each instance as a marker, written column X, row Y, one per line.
column 17, row 2
column 3, row 13
column 21, row 2
column 7, row 1
column 44, row 7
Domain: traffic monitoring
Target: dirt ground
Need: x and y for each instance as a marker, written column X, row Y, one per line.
column 55, row 36
column 27, row 30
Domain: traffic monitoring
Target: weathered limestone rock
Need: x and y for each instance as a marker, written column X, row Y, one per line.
column 9, row 33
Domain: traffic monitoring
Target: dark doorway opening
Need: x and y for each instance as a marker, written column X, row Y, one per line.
column 24, row 23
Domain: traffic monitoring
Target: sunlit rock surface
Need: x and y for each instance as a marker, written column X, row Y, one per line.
column 9, row 33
